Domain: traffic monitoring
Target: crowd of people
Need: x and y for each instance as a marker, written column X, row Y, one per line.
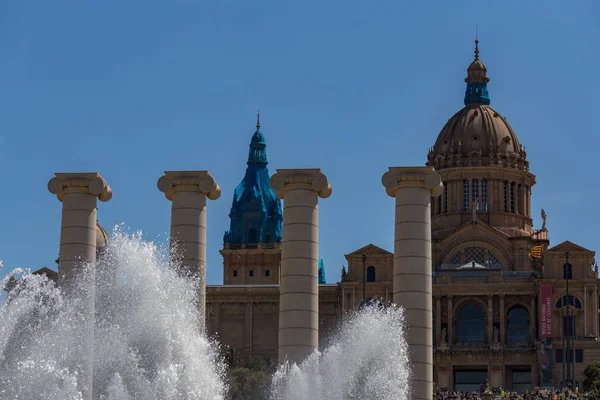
column 485, row 392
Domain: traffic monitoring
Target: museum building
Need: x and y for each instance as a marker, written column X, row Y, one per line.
column 500, row 310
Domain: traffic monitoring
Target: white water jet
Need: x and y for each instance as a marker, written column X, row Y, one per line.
column 147, row 342
column 367, row 360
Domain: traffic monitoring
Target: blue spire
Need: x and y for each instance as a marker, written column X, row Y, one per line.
column 477, row 92
column 256, row 215
column 322, row 279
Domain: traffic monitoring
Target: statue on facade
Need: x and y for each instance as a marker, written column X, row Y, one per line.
column 443, row 346
column 344, row 274
column 496, row 340
column 543, row 221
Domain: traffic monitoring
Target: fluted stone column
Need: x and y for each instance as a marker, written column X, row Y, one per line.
column 413, row 187
column 79, row 193
column 299, row 287
column 188, row 191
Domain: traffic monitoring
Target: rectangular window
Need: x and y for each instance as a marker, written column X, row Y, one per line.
column 518, row 205
column 445, row 197
column 484, row 199
column 569, row 325
column 235, row 272
column 475, row 194
column 512, row 197
column 439, row 205
column 466, row 195
column 251, row 272
column 578, row 355
column 267, row 272
column 505, row 196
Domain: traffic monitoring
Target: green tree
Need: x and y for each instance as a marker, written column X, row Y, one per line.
column 251, row 381
column 591, row 383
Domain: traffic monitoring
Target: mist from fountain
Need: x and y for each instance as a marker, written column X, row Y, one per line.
column 148, row 345
column 368, row 359
column 147, row 341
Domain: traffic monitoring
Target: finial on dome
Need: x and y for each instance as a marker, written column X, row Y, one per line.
column 257, row 119
column 476, row 43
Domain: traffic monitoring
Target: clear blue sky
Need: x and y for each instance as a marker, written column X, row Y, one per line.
column 132, row 88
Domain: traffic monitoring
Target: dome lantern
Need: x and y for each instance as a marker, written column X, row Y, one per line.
column 477, row 92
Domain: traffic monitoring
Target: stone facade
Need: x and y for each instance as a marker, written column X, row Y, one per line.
column 488, row 267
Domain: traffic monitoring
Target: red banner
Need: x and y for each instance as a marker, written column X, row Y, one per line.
column 546, row 311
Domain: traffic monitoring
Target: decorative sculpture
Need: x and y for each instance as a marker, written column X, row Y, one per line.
column 543, row 221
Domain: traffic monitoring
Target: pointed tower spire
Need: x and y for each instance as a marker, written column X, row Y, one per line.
column 477, row 80
column 257, row 119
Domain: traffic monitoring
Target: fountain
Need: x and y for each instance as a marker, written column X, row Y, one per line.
column 147, row 344
column 367, row 360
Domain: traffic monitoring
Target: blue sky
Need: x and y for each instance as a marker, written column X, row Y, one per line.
column 132, row 88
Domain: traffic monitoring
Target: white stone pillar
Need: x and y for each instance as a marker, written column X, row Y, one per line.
column 299, row 287
column 188, row 191
column 79, row 193
column 413, row 187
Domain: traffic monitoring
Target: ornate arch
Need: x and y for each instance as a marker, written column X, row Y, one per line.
column 469, row 300
column 516, row 302
column 487, row 244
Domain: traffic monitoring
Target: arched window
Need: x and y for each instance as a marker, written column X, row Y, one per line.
column 252, row 236
column 569, row 300
column 475, row 257
column 470, row 324
column 518, row 325
column 371, row 274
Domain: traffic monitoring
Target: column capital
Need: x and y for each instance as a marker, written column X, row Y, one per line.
column 189, row 181
column 414, row 177
column 92, row 183
column 304, row 179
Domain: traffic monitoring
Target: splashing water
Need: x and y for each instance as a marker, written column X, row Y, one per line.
column 368, row 360
column 147, row 341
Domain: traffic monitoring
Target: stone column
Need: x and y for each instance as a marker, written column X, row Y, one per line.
column 438, row 319
column 299, row 287
column 188, row 191
column 450, row 321
column 502, row 321
column 532, row 325
column 413, row 188
column 490, row 319
column 79, row 193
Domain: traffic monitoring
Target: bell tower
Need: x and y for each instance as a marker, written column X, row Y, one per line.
column 252, row 245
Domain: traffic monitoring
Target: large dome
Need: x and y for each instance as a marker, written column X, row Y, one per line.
column 477, row 135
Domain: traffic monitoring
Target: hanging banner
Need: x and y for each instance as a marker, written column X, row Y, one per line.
column 545, row 355
column 546, row 311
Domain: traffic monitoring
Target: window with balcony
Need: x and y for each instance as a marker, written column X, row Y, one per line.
column 470, row 327
column 518, row 326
